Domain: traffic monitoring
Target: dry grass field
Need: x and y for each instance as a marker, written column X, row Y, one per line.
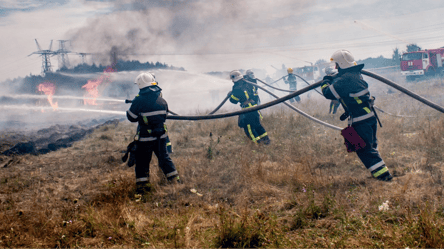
column 303, row 190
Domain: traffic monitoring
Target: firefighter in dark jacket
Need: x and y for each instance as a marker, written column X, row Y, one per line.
column 149, row 109
column 291, row 80
column 249, row 76
column 349, row 87
column 243, row 93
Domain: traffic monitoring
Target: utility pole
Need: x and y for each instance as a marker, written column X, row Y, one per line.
column 46, row 63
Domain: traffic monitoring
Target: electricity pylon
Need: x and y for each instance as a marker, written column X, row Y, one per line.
column 63, row 54
column 46, row 63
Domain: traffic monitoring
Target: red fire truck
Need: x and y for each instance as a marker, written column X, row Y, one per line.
column 424, row 62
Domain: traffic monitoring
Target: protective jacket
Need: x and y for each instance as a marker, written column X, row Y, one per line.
column 291, row 80
column 352, row 91
column 255, row 89
column 350, row 88
column 243, row 93
column 149, row 109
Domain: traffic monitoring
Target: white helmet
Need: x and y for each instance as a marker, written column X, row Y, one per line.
column 145, row 80
column 250, row 73
column 343, row 58
column 235, row 75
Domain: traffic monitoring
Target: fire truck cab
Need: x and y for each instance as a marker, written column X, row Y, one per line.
column 423, row 62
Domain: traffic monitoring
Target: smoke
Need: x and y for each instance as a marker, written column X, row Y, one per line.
column 190, row 27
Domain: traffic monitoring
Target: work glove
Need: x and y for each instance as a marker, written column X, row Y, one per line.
column 328, row 79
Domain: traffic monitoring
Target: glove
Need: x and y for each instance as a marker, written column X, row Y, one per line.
column 328, row 79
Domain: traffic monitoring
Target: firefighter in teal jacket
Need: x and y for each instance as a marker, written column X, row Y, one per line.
column 243, row 93
column 351, row 90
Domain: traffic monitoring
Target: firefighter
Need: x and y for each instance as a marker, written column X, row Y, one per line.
column 349, row 87
column 243, row 93
column 291, row 80
column 149, row 109
column 249, row 76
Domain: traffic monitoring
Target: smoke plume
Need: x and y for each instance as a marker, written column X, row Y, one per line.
column 193, row 27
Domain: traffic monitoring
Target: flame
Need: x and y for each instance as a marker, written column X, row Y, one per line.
column 49, row 89
column 92, row 87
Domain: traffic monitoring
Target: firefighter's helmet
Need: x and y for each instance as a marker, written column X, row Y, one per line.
column 250, row 73
column 144, row 80
column 290, row 70
column 343, row 58
column 235, row 75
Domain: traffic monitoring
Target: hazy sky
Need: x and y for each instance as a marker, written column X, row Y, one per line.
column 214, row 35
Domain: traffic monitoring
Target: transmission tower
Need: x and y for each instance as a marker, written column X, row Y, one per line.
column 46, row 63
column 63, row 54
column 83, row 55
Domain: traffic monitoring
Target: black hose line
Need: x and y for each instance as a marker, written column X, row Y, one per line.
column 279, row 89
column 251, row 109
column 284, row 90
column 296, row 109
column 404, row 90
column 221, row 103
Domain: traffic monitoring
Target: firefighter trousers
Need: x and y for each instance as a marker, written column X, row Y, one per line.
column 144, row 154
column 297, row 98
column 369, row 155
column 251, row 123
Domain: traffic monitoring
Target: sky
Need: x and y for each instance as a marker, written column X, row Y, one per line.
column 217, row 35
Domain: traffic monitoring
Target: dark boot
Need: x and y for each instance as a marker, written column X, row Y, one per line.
column 174, row 180
column 265, row 140
column 143, row 188
column 386, row 177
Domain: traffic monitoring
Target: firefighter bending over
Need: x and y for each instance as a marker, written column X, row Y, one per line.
column 291, row 80
column 149, row 109
column 243, row 93
column 351, row 90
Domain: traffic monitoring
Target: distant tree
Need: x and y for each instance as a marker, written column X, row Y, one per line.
column 396, row 56
column 413, row 47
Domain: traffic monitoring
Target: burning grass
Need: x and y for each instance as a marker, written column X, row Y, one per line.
column 304, row 190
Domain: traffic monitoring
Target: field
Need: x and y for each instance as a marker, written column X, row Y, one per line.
column 303, row 190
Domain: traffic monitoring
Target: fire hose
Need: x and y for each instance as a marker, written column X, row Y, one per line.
column 302, row 91
column 404, row 90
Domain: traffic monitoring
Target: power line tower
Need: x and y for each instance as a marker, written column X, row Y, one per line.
column 83, row 55
column 46, row 63
column 63, row 54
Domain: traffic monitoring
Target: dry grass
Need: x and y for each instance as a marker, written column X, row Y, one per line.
column 304, row 190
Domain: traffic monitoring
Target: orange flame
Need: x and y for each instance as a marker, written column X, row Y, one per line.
column 49, row 89
column 92, row 87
